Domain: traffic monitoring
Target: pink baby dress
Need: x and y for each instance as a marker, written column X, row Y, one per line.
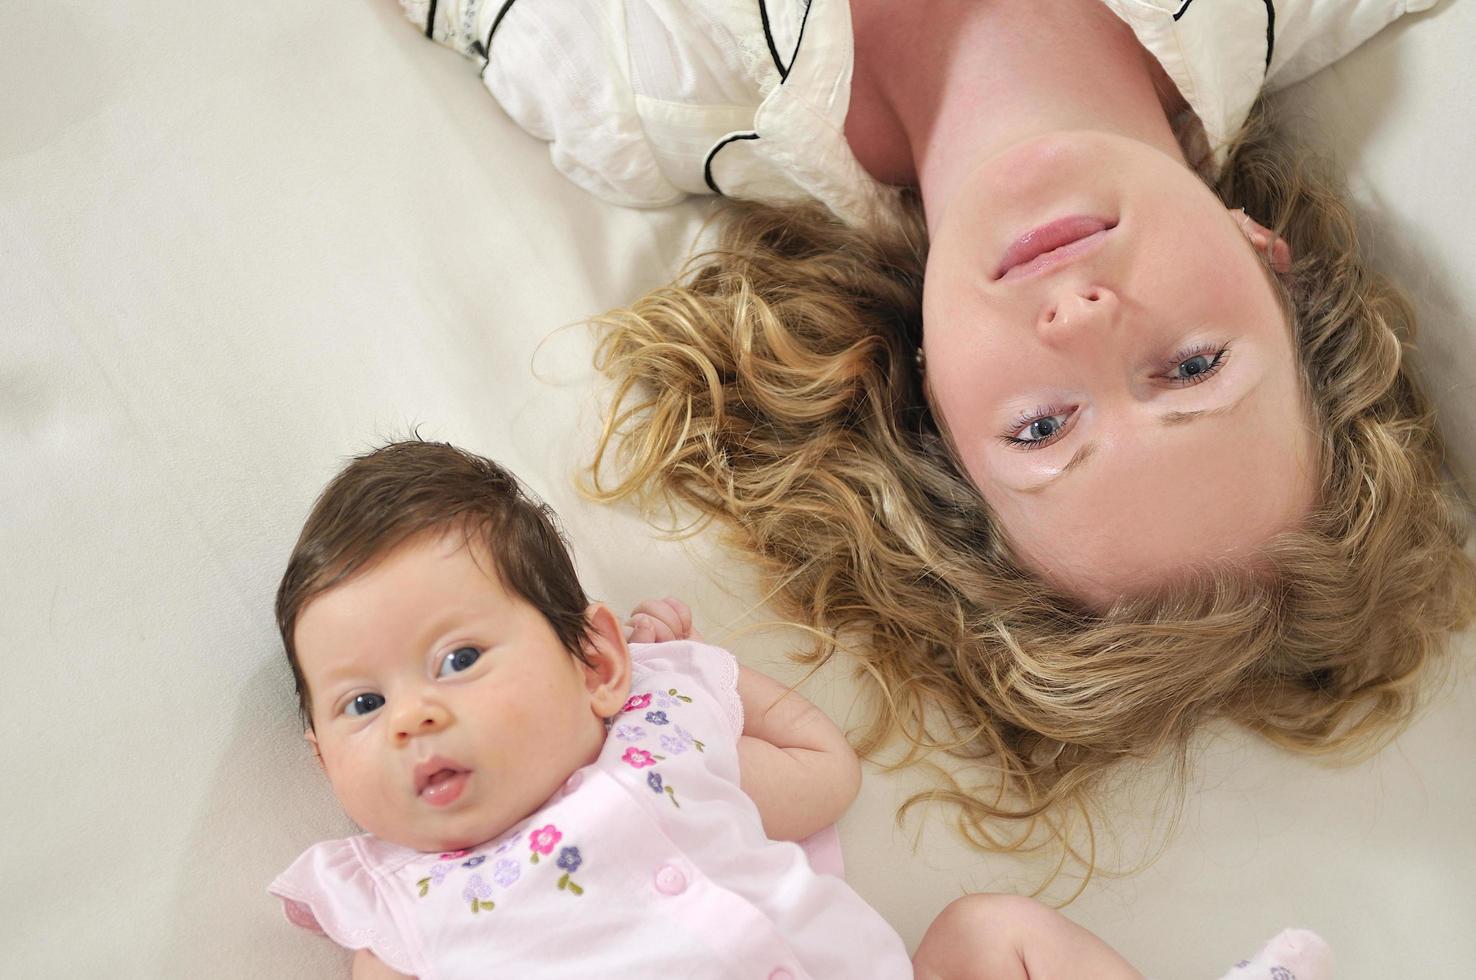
column 651, row 861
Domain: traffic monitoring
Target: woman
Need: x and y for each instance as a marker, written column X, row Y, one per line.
column 1096, row 428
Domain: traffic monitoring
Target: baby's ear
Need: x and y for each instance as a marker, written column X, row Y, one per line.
column 312, row 739
column 607, row 671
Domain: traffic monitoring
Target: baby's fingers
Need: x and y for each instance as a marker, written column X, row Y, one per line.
column 645, row 628
column 683, row 614
column 671, row 613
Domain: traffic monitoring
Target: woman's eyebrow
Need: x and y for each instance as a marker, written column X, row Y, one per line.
column 1180, row 418
column 1083, row 454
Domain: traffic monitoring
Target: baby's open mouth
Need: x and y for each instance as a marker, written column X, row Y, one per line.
column 440, row 782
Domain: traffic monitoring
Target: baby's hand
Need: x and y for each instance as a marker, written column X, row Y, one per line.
column 661, row 620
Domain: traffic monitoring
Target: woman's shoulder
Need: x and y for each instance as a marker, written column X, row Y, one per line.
column 1221, row 56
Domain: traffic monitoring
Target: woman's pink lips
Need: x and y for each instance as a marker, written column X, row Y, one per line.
column 445, row 787
column 1049, row 245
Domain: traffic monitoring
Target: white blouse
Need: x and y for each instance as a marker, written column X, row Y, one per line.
column 646, row 101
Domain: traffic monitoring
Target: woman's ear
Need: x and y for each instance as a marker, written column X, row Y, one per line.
column 1265, row 241
column 607, row 671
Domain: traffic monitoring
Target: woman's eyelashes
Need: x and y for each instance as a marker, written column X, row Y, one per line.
column 1046, row 425
column 1196, row 365
column 1040, row 429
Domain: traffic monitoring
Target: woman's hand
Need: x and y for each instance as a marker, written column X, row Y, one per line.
column 660, row 621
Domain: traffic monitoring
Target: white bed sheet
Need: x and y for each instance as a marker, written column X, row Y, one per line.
column 238, row 244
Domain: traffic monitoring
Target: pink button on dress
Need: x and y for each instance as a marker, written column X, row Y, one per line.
column 649, row 861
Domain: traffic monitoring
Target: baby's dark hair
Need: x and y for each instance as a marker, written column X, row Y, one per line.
column 385, row 497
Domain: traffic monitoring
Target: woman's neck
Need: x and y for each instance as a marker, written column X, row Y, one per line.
column 941, row 85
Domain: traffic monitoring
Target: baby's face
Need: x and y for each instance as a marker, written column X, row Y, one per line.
column 444, row 708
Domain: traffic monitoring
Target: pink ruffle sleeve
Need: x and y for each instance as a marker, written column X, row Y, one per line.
column 331, row 891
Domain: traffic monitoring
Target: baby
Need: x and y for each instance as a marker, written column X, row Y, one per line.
column 547, row 792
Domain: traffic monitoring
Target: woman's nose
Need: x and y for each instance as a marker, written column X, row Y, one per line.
column 1075, row 309
column 417, row 716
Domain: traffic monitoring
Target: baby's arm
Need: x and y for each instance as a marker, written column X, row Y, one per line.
column 792, row 760
column 367, row 966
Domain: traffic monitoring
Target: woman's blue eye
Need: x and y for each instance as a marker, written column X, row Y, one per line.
column 1193, row 370
column 1037, row 432
column 363, row 704
column 458, row 660
column 1044, row 428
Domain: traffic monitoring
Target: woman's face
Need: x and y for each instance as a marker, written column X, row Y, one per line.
column 1129, row 404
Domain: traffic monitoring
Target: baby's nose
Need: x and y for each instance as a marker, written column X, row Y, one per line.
column 420, row 719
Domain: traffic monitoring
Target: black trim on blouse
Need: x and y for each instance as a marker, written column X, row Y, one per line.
column 485, row 49
column 712, row 153
column 783, row 70
column 769, row 37
column 794, row 55
column 1270, row 31
column 779, row 64
column 1270, row 26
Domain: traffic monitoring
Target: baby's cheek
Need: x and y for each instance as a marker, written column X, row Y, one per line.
column 360, row 790
column 545, row 747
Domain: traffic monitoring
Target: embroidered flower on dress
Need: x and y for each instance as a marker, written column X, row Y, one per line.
column 477, row 892
column 629, row 733
column 453, row 855
column 505, row 872
column 680, row 741
column 639, row 758
column 542, row 841
column 570, row 860
column 473, row 862
column 438, row 873
column 664, row 700
column 636, row 702
column 657, row 718
column 659, row 785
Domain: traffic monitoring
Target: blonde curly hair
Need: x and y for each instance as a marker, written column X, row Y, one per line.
column 774, row 388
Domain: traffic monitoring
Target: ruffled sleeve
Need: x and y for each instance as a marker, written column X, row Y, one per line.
column 714, row 670
column 330, row 890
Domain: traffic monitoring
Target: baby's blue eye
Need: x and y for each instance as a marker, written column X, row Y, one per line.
column 458, row 660
column 363, row 704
